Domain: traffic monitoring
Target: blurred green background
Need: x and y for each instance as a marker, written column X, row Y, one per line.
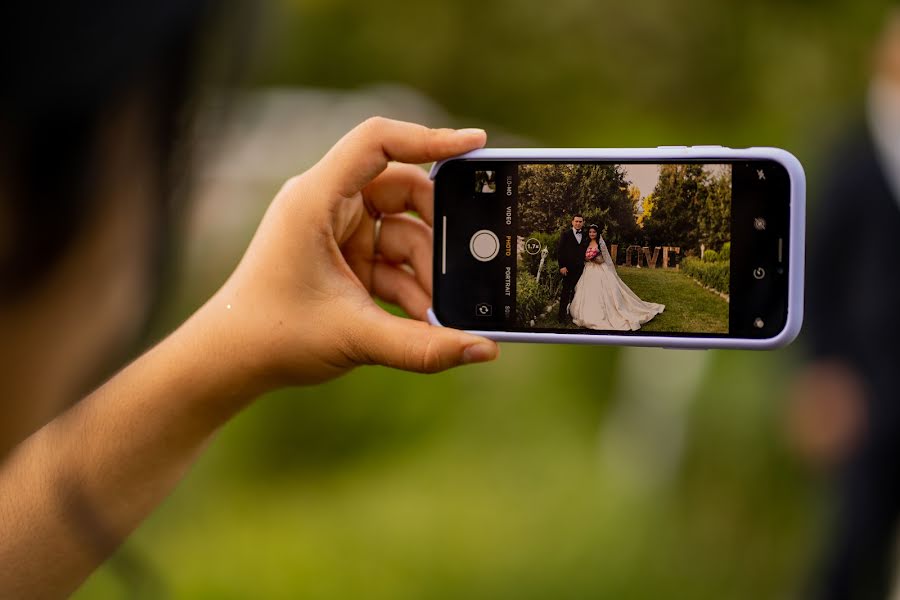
column 556, row 472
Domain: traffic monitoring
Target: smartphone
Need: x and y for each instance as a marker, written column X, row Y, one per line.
column 678, row 247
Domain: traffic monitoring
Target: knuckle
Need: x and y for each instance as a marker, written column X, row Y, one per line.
column 373, row 125
column 356, row 348
column 293, row 184
column 431, row 359
column 423, row 234
column 288, row 185
column 434, row 144
column 421, row 182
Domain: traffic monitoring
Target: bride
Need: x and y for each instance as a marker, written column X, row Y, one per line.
column 602, row 300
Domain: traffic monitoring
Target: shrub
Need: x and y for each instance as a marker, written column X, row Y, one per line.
column 531, row 298
column 712, row 274
column 725, row 252
column 710, row 256
column 550, row 276
column 547, row 240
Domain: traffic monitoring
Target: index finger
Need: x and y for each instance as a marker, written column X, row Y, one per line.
column 366, row 150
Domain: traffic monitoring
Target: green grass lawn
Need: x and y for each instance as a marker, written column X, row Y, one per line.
column 689, row 307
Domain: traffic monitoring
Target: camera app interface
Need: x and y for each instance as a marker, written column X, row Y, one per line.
column 640, row 248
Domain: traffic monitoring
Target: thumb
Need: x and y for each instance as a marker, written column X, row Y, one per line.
column 385, row 339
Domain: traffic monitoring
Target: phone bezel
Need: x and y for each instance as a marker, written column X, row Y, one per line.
column 797, row 230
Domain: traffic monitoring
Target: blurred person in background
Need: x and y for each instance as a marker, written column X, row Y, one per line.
column 845, row 413
column 95, row 100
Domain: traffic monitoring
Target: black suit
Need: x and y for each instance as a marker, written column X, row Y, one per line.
column 853, row 295
column 570, row 255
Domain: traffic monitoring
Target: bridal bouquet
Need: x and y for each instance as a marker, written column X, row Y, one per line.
column 592, row 253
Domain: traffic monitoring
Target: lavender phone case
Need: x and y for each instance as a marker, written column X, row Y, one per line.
column 664, row 154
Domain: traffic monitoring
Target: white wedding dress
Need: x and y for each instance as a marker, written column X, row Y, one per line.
column 603, row 301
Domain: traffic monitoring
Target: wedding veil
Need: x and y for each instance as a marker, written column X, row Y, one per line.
column 605, row 252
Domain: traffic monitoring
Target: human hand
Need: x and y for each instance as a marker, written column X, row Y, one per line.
column 298, row 309
column 564, row 271
column 826, row 413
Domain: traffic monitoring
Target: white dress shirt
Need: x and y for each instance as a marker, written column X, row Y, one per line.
column 883, row 117
column 577, row 234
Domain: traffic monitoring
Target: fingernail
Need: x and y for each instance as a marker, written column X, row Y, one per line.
column 470, row 131
column 479, row 353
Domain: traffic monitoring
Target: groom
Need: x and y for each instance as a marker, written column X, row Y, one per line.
column 570, row 254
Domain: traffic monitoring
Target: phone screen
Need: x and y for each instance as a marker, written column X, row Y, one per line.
column 685, row 248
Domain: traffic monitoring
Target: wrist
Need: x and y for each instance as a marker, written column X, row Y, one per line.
column 224, row 371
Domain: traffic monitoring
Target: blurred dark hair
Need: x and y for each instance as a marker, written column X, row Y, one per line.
column 66, row 68
column 577, row 215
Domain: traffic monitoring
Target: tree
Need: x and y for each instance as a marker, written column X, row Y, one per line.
column 715, row 218
column 634, row 194
column 646, row 210
column 689, row 206
column 679, row 197
column 549, row 194
column 541, row 198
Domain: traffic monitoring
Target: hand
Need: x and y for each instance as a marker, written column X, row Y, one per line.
column 564, row 271
column 298, row 308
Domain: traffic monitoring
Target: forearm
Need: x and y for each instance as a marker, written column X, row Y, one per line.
column 296, row 311
column 72, row 491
